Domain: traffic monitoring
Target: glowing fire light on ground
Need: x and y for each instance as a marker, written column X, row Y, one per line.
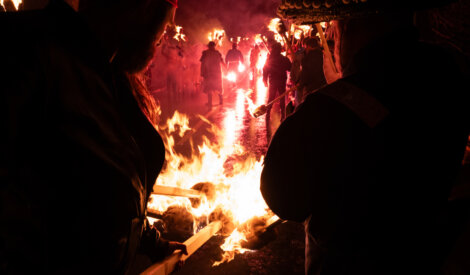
column 232, row 77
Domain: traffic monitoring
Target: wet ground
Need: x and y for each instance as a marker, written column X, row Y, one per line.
column 284, row 253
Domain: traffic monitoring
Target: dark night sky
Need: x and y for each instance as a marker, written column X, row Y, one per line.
column 236, row 17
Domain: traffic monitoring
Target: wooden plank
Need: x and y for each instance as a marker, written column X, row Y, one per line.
column 175, row 191
column 326, row 48
column 167, row 266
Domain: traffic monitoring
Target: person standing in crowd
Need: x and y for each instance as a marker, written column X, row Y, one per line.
column 254, row 57
column 275, row 73
column 80, row 153
column 374, row 157
column 311, row 76
column 173, row 55
column 234, row 58
column 296, row 71
column 211, row 71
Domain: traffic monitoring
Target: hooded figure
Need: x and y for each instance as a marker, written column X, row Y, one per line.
column 211, row 71
column 80, row 153
column 275, row 74
column 376, row 152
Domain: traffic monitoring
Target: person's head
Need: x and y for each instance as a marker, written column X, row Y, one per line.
column 129, row 29
column 211, row 45
column 357, row 23
column 234, row 45
column 276, row 48
column 311, row 42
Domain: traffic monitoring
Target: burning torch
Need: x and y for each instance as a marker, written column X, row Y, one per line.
column 261, row 110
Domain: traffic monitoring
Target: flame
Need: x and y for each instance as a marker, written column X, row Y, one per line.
column 241, row 67
column 274, row 26
column 298, row 30
column 237, row 188
column 236, row 185
column 15, row 2
column 261, row 60
column 217, row 35
column 179, row 36
column 258, row 39
column 232, row 77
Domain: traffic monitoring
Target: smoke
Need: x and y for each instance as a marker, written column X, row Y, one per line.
column 242, row 18
column 237, row 18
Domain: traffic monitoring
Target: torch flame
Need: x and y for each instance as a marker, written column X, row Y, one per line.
column 274, row 27
column 217, row 36
column 179, row 36
column 16, row 3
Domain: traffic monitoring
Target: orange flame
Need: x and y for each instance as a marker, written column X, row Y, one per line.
column 217, row 36
column 16, row 3
column 179, row 36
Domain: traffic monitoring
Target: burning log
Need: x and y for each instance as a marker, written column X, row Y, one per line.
column 261, row 110
column 167, row 266
column 178, row 222
column 226, row 218
column 176, row 191
column 206, row 188
column 261, row 232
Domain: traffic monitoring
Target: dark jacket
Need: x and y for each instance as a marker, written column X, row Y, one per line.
column 311, row 76
column 374, row 158
column 233, row 58
column 276, row 68
column 211, row 61
column 78, row 157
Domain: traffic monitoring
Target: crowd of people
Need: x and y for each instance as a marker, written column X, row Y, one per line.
column 366, row 161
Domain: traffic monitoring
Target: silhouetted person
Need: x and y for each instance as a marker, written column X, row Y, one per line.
column 80, row 153
column 311, row 76
column 233, row 58
column 211, row 71
column 275, row 74
column 368, row 161
column 173, row 67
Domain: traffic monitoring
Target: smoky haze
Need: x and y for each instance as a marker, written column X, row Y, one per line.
column 236, row 17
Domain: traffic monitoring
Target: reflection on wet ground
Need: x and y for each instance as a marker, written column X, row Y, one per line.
column 233, row 117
